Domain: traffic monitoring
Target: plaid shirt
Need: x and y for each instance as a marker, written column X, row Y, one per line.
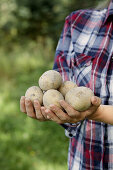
column 84, row 54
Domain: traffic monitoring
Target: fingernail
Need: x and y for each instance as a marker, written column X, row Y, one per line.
column 61, row 101
column 42, row 108
column 52, row 105
column 35, row 102
column 27, row 100
column 47, row 110
column 95, row 100
column 48, row 117
column 22, row 97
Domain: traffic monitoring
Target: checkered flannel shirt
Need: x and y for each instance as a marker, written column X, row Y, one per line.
column 84, row 55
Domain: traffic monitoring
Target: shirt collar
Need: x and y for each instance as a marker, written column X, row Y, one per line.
column 109, row 11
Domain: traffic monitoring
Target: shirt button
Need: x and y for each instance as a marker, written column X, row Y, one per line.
column 70, row 135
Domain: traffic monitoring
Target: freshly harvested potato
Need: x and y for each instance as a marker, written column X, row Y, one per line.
column 50, row 80
column 66, row 86
column 33, row 93
column 52, row 97
column 79, row 98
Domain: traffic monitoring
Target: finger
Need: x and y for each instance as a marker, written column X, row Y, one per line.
column 37, row 108
column 52, row 116
column 59, row 113
column 22, row 104
column 96, row 101
column 29, row 108
column 71, row 112
column 44, row 113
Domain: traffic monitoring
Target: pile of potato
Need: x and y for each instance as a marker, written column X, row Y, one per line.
column 52, row 89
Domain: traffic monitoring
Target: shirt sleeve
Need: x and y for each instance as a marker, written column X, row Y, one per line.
column 62, row 64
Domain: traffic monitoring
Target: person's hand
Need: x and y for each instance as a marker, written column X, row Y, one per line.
column 71, row 116
column 34, row 111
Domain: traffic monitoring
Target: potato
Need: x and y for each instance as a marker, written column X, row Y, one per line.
column 52, row 97
column 50, row 80
column 33, row 93
column 66, row 86
column 79, row 98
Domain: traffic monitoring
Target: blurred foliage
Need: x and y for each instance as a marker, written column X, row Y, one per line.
column 25, row 143
column 31, row 19
column 29, row 31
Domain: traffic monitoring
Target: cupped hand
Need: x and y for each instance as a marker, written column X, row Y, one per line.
column 32, row 110
column 71, row 115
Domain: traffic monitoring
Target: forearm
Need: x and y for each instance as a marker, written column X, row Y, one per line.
column 103, row 114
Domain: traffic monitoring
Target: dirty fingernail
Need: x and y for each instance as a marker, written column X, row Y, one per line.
column 48, row 117
column 52, row 105
column 47, row 110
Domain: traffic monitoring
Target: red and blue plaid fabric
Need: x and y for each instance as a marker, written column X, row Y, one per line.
column 84, row 54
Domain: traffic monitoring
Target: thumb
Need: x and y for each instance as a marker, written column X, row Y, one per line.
column 96, row 101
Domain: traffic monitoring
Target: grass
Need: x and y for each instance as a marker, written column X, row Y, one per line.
column 26, row 143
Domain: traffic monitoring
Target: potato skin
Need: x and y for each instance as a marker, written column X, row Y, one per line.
column 66, row 86
column 33, row 93
column 52, row 96
column 51, row 79
column 79, row 98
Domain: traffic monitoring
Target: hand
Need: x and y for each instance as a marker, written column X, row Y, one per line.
column 34, row 111
column 71, row 116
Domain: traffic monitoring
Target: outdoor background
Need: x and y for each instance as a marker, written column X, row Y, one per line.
column 29, row 32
